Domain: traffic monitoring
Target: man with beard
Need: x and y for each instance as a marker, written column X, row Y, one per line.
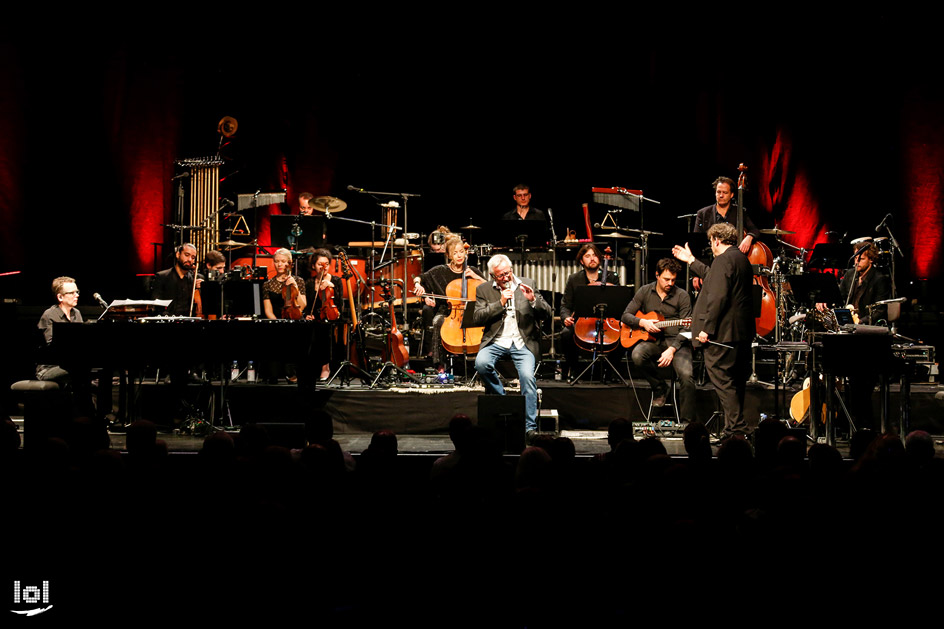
column 665, row 346
column 589, row 257
column 177, row 283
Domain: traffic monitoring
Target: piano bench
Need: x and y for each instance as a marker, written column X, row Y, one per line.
column 47, row 409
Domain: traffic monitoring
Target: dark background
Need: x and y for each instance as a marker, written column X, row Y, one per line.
column 839, row 124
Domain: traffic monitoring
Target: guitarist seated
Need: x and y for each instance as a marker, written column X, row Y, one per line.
column 660, row 346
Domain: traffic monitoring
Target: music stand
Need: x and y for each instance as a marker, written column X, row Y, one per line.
column 814, row 288
column 297, row 232
column 829, row 256
column 602, row 302
column 127, row 309
column 517, row 234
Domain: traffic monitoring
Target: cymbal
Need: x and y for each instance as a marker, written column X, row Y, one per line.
column 470, row 227
column 231, row 243
column 328, row 204
column 775, row 231
column 612, row 235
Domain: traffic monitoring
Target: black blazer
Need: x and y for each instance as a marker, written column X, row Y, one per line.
column 876, row 287
column 725, row 305
column 490, row 314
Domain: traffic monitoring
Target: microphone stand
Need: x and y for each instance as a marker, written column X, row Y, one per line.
column 406, row 251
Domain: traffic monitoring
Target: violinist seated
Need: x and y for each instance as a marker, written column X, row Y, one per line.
column 665, row 347
column 326, row 295
column 283, row 297
column 435, row 281
column 724, row 210
column 590, row 258
column 284, row 293
column 177, row 283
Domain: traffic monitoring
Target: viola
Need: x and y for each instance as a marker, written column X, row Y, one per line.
column 290, row 308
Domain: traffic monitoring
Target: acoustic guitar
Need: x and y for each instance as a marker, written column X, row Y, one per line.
column 630, row 336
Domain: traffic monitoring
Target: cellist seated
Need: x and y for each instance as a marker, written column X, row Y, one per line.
column 590, row 258
column 435, row 281
column 665, row 346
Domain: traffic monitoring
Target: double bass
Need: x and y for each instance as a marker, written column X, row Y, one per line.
column 760, row 256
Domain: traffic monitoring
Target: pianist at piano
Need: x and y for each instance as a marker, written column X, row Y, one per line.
column 66, row 293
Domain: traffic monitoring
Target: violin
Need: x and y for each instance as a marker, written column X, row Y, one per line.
column 196, row 302
column 455, row 338
column 328, row 311
column 592, row 333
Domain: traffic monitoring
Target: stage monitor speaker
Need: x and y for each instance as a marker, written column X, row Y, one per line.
column 504, row 417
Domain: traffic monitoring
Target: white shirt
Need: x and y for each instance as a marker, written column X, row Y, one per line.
column 510, row 335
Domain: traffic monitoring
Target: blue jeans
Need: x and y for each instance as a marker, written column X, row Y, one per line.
column 524, row 363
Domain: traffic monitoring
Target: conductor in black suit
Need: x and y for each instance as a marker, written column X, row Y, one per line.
column 510, row 310
column 724, row 313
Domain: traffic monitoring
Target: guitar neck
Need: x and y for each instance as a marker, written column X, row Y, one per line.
column 672, row 323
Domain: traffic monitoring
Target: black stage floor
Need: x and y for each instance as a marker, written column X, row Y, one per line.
column 419, row 415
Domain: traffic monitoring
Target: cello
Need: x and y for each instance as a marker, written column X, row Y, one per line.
column 592, row 333
column 455, row 338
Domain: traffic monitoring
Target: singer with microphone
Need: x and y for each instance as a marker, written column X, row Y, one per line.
column 510, row 310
